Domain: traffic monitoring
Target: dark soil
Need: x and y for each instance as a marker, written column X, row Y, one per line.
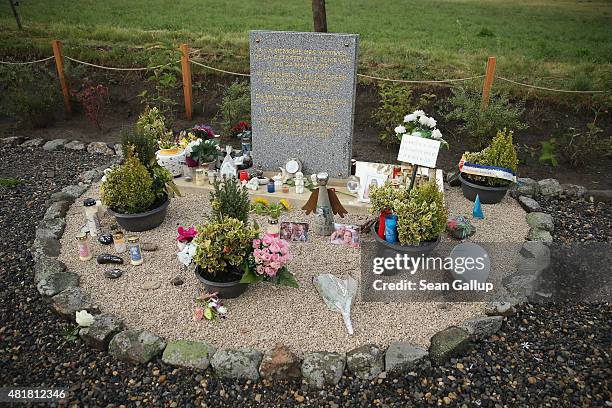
column 545, row 119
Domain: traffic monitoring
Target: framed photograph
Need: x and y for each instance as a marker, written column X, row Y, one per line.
column 294, row 231
column 370, row 174
column 345, row 234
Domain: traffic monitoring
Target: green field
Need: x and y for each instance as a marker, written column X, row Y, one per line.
column 564, row 44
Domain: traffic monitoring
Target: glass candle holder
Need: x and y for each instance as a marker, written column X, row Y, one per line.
column 187, row 173
column 83, row 246
column 200, row 175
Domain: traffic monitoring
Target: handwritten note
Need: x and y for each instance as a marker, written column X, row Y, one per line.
column 419, row 151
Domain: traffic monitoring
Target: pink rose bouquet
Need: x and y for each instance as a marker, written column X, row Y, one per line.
column 268, row 262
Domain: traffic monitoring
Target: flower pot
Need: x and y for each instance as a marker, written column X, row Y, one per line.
column 488, row 195
column 224, row 290
column 387, row 249
column 172, row 160
column 142, row 221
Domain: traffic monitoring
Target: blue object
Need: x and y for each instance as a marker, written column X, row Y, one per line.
column 477, row 211
column 391, row 228
column 271, row 187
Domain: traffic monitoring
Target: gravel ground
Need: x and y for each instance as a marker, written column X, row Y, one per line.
column 266, row 314
column 544, row 356
column 579, row 221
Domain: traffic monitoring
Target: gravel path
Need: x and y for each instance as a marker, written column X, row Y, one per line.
column 544, row 356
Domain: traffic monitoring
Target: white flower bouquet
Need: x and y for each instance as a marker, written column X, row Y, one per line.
column 420, row 125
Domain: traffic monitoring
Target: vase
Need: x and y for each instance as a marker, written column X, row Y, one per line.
column 173, row 162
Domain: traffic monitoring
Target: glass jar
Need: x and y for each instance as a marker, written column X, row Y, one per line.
column 187, row 173
column 134, row 249
column 285, row 189
column 91, row 216
column 200, row 175
column 83, row 246
column 273, row 227
column 352, row 185
column 119, row 241
column 212, row 175
column 271, row 187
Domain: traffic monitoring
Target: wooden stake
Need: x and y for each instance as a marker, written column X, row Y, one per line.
column 186, row 70
column 488, row 82
column 319, row 16
column 59, row 64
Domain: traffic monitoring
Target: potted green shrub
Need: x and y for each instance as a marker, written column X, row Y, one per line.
column 420, row 214
column 490, row 172
column 137, row 196
column 223, row 248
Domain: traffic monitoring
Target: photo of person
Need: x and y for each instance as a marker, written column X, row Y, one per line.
column 345, row 235
column 294, row 231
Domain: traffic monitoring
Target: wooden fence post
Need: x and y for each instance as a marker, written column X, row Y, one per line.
column 488, row 82
column 59, row 64
column 186, row 70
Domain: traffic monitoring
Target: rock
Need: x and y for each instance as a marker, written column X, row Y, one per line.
column 11, row 141
column 57, row 209
column 70, row 301
column 536, row 234
column 506, row 307
column 53, row 228
column 280, row 364
column 529, row 204
column 104, row 259
column 366, row 362
column 54, row 144
column 100, row 148
column 150, row 285
column 33, row 142
column 448, row 343
column 596, row 196
column 525, row 186
column 47, row 266
column 240, row 363
column 177, row 281
column 136, row 346
column 105, row 239
column 550, row 187
column 118, row 147
column 48, row 246
column 323, row 368
column 54, row 284
column 60, row 196
column 75, row 145
column 101, row 331
column 573, row 190
column 541, row 221
column 482, row 326
column 460, row 227
column 452, row 178
column 93, row 175
column 534, row 249
column 185, row 353
column 402, row 357
column 75, row 191
column 113, row 273
column 149, row 246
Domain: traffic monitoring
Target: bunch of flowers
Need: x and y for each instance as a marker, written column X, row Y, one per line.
column 240, row 128
column 203, row 131
column 209, row 307
column 268, row 262
column 420, row 125
column 261, row 206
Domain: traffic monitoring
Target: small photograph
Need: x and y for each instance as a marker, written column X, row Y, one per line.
column 345, row 235
column 294, row 231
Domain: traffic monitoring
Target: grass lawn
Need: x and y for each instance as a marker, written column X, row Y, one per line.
column 564, row 44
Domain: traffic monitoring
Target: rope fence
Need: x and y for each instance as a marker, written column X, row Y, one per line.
column 186, row 61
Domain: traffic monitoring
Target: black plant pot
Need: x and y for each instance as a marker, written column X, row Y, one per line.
column 488, row 195
column 142, row 221
column 389, row 250
column 224, row 290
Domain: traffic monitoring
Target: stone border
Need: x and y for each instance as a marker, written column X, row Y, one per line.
column 60, row 289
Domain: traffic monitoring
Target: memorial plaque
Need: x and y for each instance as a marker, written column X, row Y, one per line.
column 303, row 99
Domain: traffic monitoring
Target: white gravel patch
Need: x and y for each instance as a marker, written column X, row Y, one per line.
column 265, row 314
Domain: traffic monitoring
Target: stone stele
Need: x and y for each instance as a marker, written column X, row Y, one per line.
column 303, row 99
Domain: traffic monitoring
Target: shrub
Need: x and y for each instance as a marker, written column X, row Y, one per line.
column 383, row 197
column 142, row 146
column 94, row 100
column 152, row 124
column 127, row 188
column 235, row 105
column 500, row 153
column 229, row 199
column 578, row 147
column 395, row 101
column 224, row 245
column 482, row 125
column 423, row 216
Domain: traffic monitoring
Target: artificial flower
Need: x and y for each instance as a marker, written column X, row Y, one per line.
column 198, row 314
column 418, row 112
column 436, row 134
column 186, row 235
column 285, row 204
column 400, row 129
column 186, row 255
column 410, row 117
column 261, row 200
column 83, row 318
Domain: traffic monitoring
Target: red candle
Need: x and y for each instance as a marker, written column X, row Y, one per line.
column 244, row 175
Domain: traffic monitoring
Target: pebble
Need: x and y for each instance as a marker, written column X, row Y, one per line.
column 177, row 281
column 151, row 285
column 113, row 273
column 149, row 246
column 105, row 239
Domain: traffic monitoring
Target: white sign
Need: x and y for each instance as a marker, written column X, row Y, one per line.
column 419, row 151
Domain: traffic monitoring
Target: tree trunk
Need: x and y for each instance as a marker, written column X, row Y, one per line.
column 319, row 16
